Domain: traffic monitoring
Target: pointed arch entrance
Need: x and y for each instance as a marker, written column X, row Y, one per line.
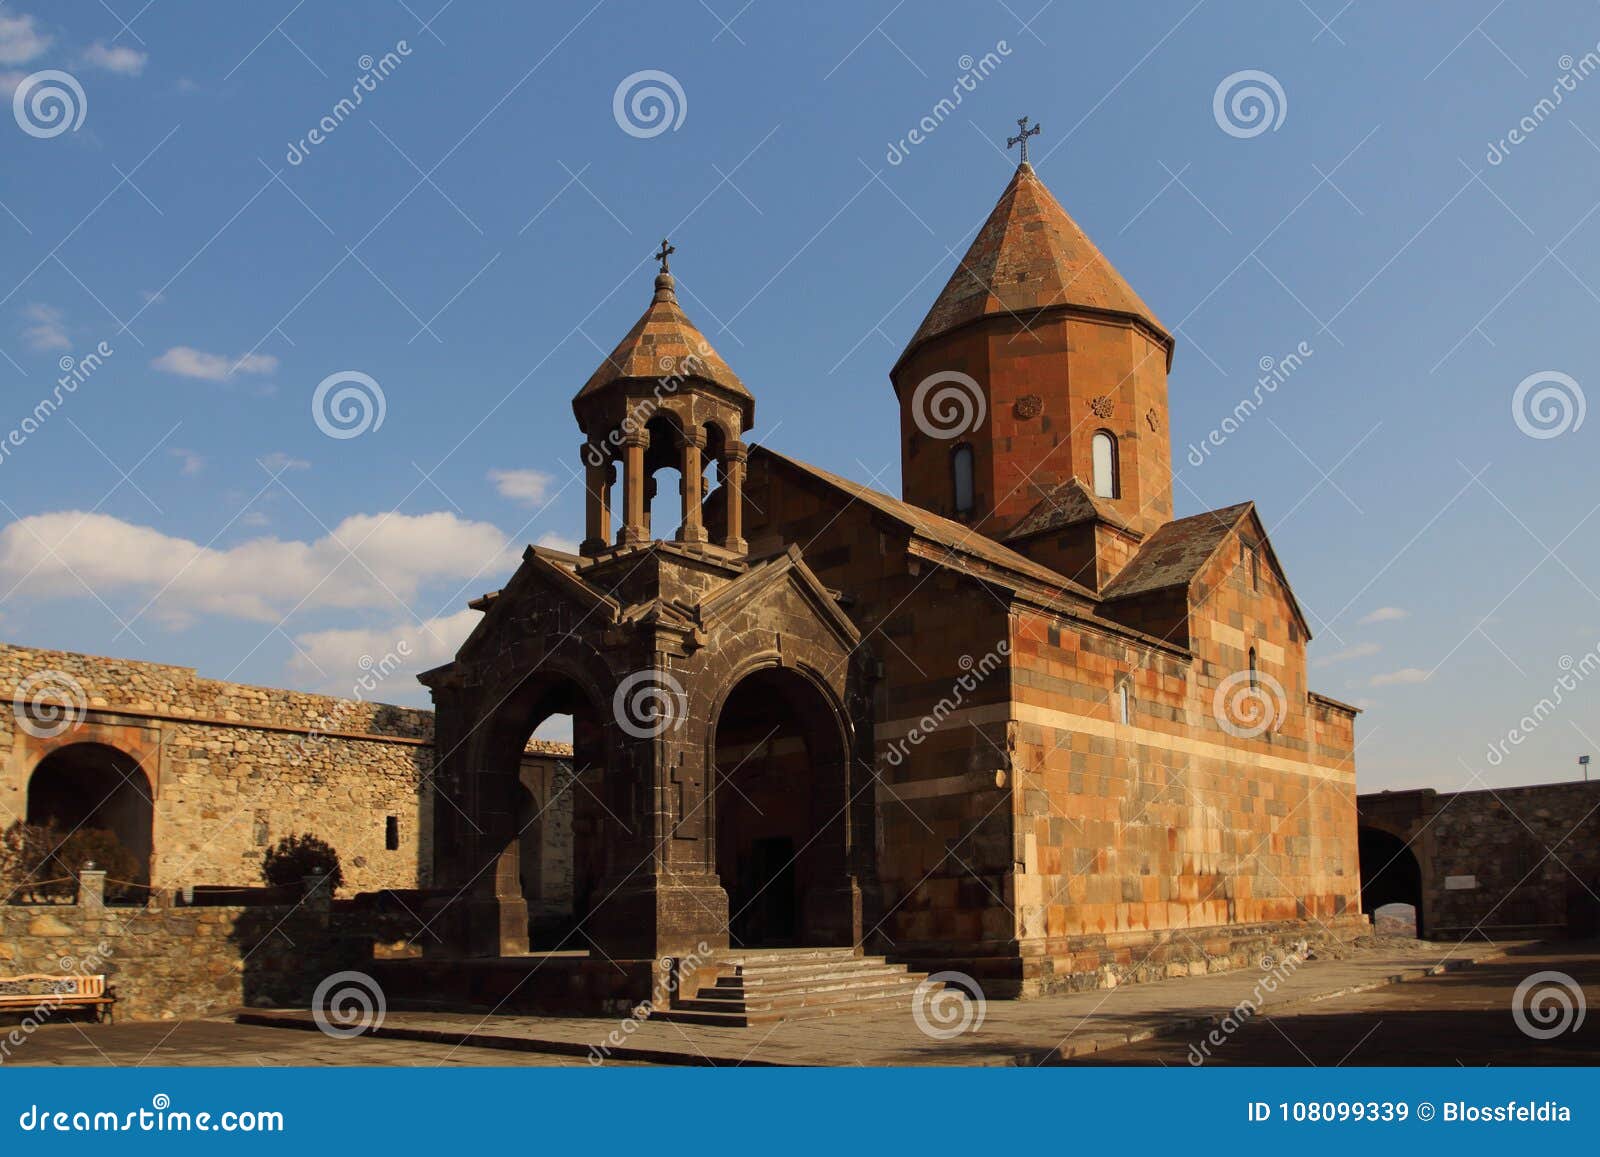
column 779, row 778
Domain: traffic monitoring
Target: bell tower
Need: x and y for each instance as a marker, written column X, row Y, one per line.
column 1036, row 365
column 662, row 398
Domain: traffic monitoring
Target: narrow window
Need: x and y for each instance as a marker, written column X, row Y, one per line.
column 1253, row 683
column 961, row 468
column 1124, row 706
column 391, row 833
column 1255, row 569
column 1106, row 483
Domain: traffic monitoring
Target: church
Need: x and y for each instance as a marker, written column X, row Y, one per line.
column 1017, row 721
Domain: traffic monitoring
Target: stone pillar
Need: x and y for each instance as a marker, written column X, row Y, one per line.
column 634, row 529
column 91, row 887
column 598, row 475
column 318, row 899
column 737, row 456
column 691, row 530
column 497, row 913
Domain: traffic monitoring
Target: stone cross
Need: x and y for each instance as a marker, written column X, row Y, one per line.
column 669, row 250
column 1022, row 137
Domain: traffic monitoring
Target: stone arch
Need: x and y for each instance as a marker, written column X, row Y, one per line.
column 93, row 785
column 1391, row 872
column 778, row 750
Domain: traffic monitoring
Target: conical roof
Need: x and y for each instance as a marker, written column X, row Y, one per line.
column 664, row 343
column 1031, row 255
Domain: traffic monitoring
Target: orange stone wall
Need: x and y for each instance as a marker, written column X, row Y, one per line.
column 1067, row 363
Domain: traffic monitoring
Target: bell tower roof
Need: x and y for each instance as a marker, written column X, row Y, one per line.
column 664, row 344
column 1031, row 255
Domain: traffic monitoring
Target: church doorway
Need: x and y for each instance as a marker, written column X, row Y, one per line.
column 98, row 799
column 778, row 781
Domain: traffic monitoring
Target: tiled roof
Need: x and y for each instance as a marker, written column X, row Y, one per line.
column 1174, row 554
column 665, row 343
column 1064, row 504
column 1030, row 255
column 943, row 532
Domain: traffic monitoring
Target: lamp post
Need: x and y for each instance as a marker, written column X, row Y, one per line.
column 1583, row 762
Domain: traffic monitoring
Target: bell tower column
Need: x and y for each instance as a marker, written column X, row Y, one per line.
column 691, row 529
column 737, row 455
column 598, row 476
column 634, row 529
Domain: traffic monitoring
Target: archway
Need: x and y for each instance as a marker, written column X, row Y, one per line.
column 779, row 798
column 1390, row 873
column 554, row 842
column 95, row 787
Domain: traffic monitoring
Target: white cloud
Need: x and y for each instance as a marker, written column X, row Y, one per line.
column 1359, row 651
column 337, row 659
column 119, row 58
column 20, row 39
column 1384, row 615
column 278, row 461
column 192, row 363
column 54, row 555
column 46, row 329
column 559, row 542
column 1404, row 675
column 528, row 487
column 193, row 461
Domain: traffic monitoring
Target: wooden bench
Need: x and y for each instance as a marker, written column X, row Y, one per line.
column 38, row 990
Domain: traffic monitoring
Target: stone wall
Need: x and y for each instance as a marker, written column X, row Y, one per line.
column 231, row 769
column 186, row 962
column 1509, row 862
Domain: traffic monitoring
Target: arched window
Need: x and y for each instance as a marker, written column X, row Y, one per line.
column 1124, row 702
column 961, row 470
column 1106, row 482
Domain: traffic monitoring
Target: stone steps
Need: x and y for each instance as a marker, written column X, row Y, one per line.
column 795, row 984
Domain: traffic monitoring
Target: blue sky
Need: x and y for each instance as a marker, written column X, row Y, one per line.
column 478, row 231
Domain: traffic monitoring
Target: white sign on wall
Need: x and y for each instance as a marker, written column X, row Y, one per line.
column 1460, row 883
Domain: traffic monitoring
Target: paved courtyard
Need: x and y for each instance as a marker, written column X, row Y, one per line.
column 1327, row 1012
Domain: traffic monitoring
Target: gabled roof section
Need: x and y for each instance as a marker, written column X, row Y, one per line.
column 664, row 343
column 789, row 566
column 1179, row 550
column 1030, row 255
column 551, row 568
column 1065, row 504
column 952, row 537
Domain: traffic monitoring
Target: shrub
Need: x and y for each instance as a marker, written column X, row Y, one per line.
column 293, row 858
